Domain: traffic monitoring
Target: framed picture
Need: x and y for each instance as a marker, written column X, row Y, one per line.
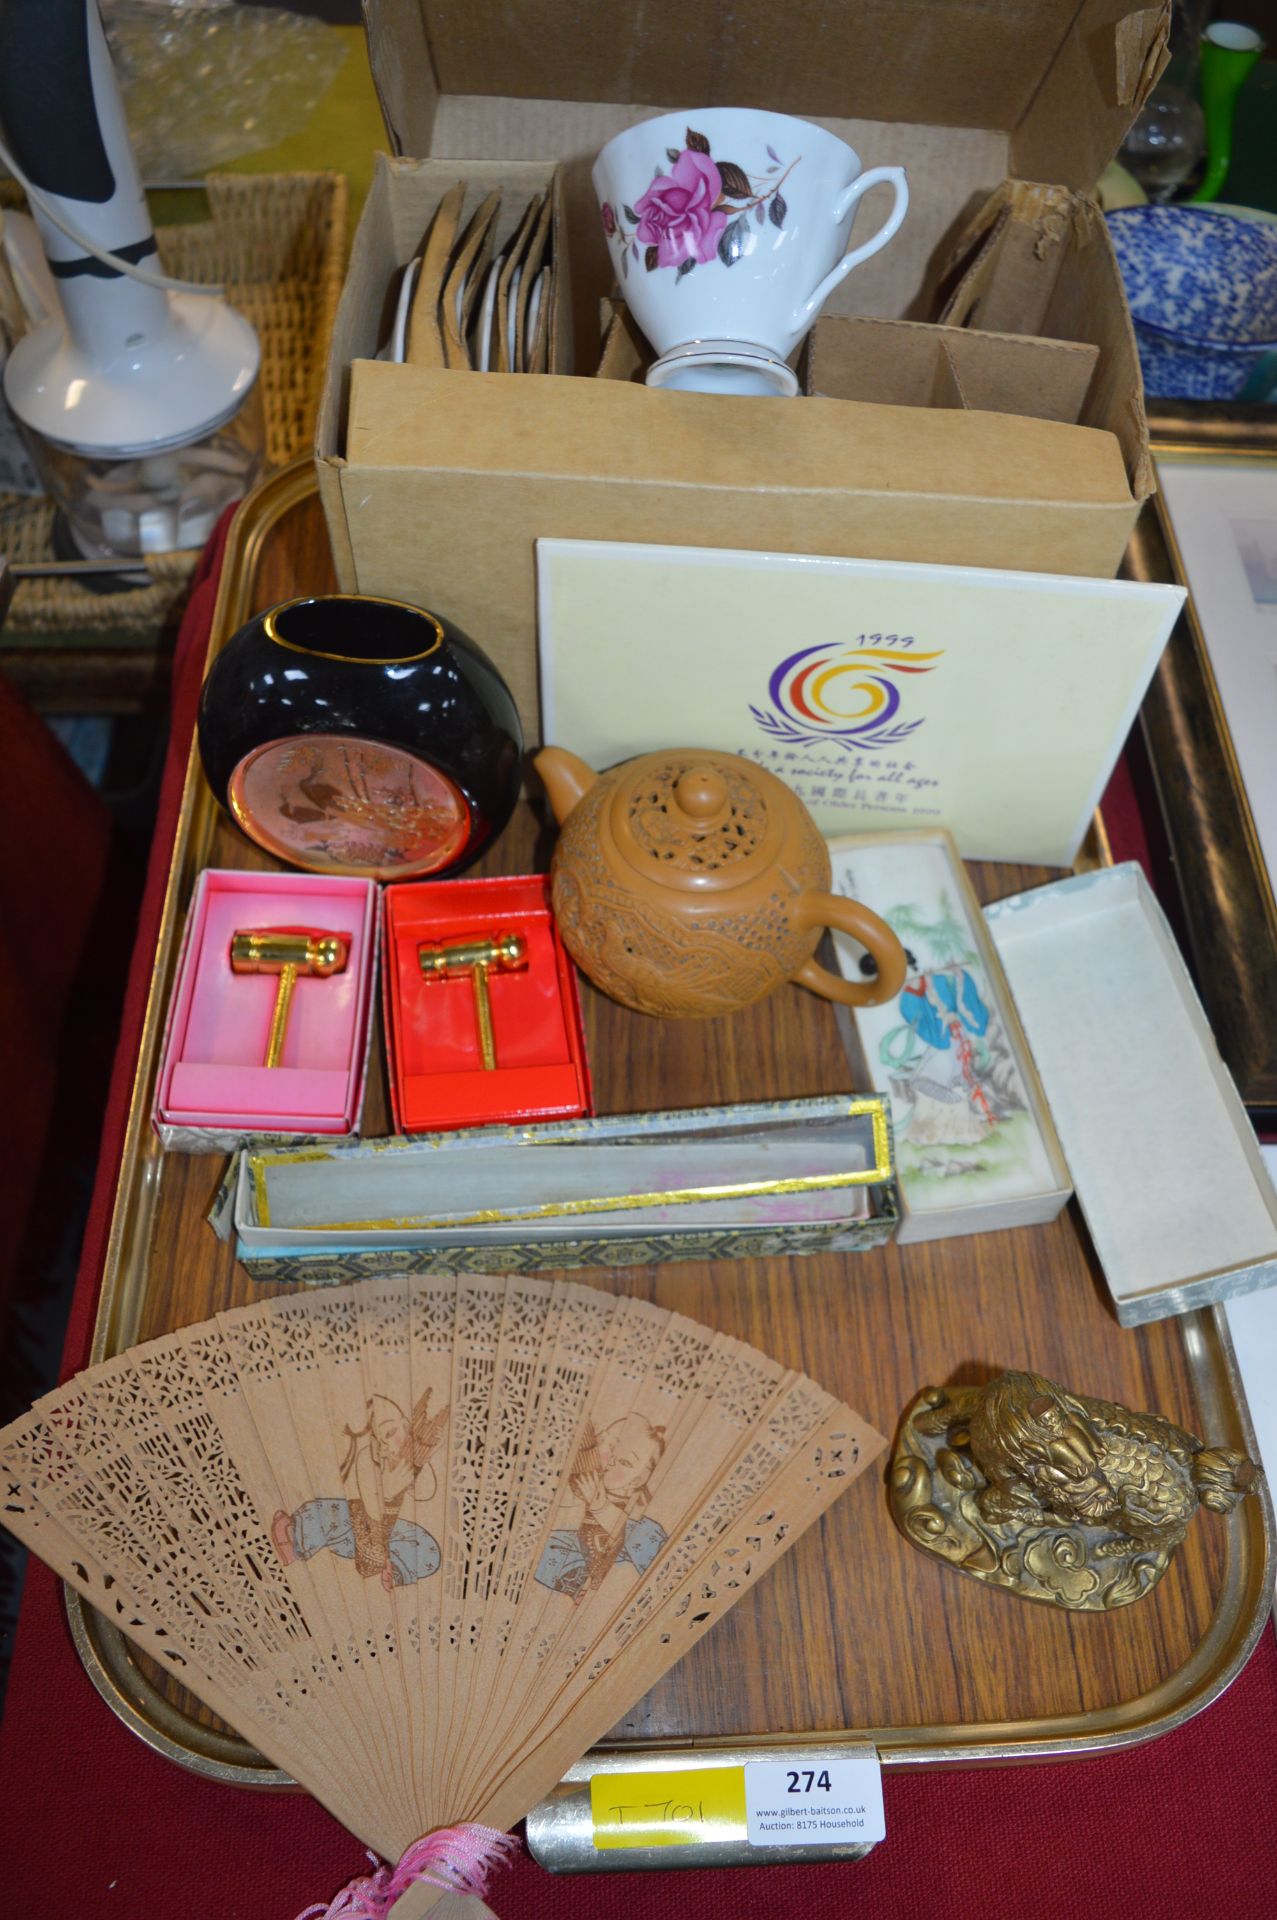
column 1210, row 715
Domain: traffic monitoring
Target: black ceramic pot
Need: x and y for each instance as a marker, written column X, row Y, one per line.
column 348, row 734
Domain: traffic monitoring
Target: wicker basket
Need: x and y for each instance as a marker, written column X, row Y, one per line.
column 277, row 243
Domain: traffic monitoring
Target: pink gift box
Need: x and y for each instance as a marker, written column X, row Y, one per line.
column 213, row 1089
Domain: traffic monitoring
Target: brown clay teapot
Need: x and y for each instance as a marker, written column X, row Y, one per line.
column 693, row 883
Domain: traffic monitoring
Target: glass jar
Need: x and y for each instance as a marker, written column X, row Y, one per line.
column 157, row 502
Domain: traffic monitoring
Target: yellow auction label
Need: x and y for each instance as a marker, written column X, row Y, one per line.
column 679, row 1809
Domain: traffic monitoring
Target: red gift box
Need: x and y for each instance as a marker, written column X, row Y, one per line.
column 437, row 1079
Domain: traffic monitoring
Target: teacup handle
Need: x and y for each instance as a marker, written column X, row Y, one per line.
column 842, row 206
column 848, row 916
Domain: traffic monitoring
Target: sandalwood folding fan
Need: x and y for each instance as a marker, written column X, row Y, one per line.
column 424, row 1540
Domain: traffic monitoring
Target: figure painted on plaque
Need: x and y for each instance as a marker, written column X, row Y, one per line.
column 942, row 1007
column 387, row 1462
column 963, row 1111
column 610, row 1480
column 949, row 1062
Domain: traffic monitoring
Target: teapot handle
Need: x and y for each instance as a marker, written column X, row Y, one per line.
column 848, row 916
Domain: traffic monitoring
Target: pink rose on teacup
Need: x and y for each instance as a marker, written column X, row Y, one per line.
column 679, row 214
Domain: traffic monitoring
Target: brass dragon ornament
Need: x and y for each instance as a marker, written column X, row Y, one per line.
column 1053, row 1495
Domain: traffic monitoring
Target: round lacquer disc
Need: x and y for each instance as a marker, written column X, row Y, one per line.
column 335, row 803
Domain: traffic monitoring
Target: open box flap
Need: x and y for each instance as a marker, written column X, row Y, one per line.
column 1062, row 82
column 1013, row 270
column 557, row 426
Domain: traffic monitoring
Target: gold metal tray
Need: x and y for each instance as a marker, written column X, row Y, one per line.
column 855, row 1636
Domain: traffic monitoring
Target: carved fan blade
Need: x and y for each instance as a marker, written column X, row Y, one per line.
column 427, row 1618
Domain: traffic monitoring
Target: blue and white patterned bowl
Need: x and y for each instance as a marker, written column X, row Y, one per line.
column 1177, row 367
column 1199, row 274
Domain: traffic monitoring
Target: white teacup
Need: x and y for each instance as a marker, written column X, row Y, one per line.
column 728, row 229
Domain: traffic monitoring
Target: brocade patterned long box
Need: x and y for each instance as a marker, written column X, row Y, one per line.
column 749, row 1181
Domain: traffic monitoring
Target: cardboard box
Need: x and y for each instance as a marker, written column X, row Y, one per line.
column 751, row 1181
column 435, row 485
column 908, row 363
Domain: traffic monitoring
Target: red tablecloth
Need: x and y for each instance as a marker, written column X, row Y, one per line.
column 92, row 1823
column 55, row 896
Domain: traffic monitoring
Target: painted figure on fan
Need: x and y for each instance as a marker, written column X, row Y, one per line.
column 610, row 1482
column 387, row 1462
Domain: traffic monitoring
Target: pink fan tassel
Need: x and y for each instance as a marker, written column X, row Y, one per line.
column 456, row 1859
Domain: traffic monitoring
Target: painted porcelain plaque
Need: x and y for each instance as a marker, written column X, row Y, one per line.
column 973, row 1134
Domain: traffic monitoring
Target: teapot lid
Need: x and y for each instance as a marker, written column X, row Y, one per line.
column 698, row 820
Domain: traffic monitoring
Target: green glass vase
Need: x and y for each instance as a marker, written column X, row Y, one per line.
column 1229, row 51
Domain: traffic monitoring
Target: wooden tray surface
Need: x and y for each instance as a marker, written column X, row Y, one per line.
column 856, row 1629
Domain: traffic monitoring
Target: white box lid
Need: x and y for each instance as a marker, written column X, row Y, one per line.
column 1164, row 1160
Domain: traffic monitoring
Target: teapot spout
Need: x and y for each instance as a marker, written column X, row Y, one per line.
column 567, row 779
